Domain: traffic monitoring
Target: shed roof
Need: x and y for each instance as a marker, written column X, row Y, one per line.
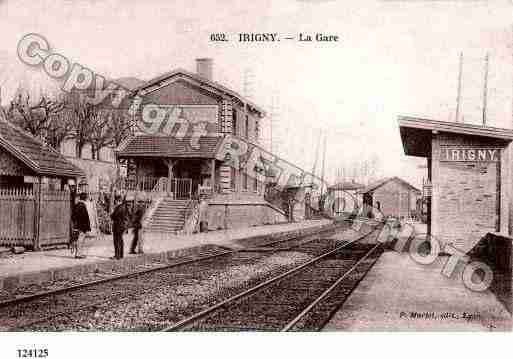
column 416, row 133
column 169, row 146
column 346, row 186
column 40, row 158
column 375, row 185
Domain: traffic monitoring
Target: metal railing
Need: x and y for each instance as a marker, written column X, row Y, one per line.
column 179, row 188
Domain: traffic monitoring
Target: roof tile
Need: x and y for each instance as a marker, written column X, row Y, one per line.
column 168, row 146
column 42, row 159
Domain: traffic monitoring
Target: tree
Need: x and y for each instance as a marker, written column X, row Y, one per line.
column 120, row 126
column 60, row 127
column 83, row 115
column 100, row 135
column 45, row 120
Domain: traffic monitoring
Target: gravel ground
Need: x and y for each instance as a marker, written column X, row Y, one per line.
column 167, row 305
column 272, row 307
column 161, row 298
column 31, row 289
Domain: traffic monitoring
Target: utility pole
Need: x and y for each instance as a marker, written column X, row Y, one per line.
column 248, row 83
column 275, row 104
column 458, row 96
column 323, row 165
column 314, row 167
column 485, row 89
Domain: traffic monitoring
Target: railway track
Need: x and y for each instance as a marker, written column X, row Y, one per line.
column 64, row 304
column 104, row 277
column 303, row 298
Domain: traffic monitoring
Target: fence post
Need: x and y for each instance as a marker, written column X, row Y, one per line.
column 37, row 216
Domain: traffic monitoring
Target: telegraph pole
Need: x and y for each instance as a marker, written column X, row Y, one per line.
column 485, row 89
column 314, row 168
column 323, row 165
column 248, row 83
column 275, row 104
column 458, row 96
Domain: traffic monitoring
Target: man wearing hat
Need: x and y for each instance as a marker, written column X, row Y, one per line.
column 81, row 223
column 119, row 225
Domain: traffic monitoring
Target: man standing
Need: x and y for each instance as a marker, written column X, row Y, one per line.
column 119, row 219
column 203, row 215
column 137, row 223
column 81, row 223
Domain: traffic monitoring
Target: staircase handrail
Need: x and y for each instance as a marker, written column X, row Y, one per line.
column 159, row 185
column 148, row 214
column 191, row 217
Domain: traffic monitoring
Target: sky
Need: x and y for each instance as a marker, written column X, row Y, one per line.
column 393, row 58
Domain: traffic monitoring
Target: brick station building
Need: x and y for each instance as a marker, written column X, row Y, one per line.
column 469, row 169
column 171, row 165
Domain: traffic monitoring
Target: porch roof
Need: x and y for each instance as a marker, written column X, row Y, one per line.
column 169, row 146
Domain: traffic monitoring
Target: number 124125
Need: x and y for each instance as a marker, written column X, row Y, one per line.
column 32, row 353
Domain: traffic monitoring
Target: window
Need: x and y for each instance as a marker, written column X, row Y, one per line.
column 255, row 184
column 234, row 122
column 232, row 178
column 246, row 127
column 245, row 181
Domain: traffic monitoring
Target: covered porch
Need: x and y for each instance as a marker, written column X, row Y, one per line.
column 168, row 166
column 178, row 178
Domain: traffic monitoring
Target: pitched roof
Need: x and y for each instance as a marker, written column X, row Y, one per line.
column 375, row 185
column 345, row 186
column 169, row 146
column 40, row 158
column 202, row 80
column 130, row 83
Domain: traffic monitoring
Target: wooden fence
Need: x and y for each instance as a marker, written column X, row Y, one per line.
column 34, row 218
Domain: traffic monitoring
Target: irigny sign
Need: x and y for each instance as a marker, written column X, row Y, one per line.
column 471, row 154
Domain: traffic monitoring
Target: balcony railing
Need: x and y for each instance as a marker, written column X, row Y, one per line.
column 179, row 188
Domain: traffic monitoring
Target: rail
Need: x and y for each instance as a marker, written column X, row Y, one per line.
column 114, row 278
column 210, row 310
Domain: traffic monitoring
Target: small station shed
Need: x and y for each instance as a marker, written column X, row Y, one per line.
column 391, row 196
column 469, row 172
column 35, row 200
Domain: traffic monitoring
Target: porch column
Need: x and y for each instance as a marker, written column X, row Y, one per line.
column 170, row 164
column 212, row 174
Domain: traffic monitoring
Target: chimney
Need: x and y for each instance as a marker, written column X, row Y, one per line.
column 204, row 67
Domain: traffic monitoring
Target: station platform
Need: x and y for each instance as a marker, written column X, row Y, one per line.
column 38, row 267
column 398, row 294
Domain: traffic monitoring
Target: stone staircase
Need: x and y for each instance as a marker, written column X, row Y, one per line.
column 168, row 216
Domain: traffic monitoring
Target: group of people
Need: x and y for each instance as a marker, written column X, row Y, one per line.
column 121, row 218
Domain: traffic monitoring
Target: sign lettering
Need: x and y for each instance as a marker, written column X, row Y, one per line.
column 457, row 154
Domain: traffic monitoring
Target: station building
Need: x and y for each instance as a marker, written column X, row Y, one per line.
column 469, row 172
column 172, row 164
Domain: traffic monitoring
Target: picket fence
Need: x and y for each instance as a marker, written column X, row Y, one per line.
column 34, row 218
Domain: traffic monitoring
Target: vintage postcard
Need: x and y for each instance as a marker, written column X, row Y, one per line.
column 267, row 166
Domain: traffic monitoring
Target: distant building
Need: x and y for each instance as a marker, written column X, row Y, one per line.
column 347, row 198
column 391, row 196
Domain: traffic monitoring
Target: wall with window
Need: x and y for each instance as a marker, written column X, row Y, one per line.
column 245, row 124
